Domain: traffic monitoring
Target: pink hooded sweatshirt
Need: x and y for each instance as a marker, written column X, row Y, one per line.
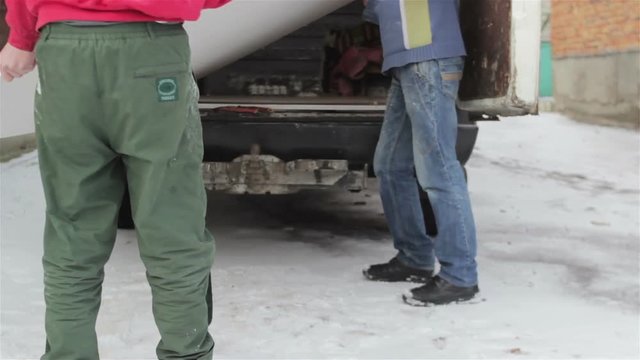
column 25, row 17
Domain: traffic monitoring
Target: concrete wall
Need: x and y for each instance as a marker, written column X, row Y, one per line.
column 16, row 116
column 546, row 20
column 16, row 107
column 599, row 87
column 596, row 49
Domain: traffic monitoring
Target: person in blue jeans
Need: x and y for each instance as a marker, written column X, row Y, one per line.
column 424, row 54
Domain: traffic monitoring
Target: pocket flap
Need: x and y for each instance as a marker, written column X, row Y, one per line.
column 162, row 70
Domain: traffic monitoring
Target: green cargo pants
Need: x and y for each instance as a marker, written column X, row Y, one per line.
column 113, row 102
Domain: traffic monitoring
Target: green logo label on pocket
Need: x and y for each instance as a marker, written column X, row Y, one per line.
column 167, row 89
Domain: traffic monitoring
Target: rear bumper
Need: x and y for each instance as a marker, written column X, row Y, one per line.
column 337, row 136
column 467, row 136
column 266, row 152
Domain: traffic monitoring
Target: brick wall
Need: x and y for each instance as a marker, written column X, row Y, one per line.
column 593, row 27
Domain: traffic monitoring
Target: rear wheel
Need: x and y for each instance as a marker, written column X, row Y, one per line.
column 125, row 218
column 427, row 210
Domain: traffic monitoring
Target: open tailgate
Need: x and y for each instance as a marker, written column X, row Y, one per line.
column 503, row 45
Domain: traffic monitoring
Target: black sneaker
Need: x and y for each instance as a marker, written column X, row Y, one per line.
column 438, row 291
column 394, row 271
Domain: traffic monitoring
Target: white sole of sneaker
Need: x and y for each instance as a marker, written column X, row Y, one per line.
column 412, row 278
column 409, row 300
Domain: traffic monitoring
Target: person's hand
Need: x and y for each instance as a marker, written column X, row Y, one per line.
column 15, row 63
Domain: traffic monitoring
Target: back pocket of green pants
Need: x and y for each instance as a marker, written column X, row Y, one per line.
column 167, row 79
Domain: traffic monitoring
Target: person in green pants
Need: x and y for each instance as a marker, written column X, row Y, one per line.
column 117, row 100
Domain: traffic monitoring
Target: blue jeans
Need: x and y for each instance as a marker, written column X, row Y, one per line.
column 418, row 138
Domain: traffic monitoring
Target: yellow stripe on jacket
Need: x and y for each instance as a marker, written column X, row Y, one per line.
column 416, row 23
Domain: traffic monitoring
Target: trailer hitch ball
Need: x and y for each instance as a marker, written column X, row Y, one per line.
column 255, row 150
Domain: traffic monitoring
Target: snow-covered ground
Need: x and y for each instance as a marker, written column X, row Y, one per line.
column 557, row 206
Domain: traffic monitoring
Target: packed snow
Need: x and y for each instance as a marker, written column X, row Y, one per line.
column 557, row 205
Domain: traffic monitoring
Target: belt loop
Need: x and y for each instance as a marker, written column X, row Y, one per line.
column 150, row 30
column 45, row 32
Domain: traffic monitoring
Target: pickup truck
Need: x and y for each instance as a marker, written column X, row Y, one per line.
column 288, row 103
